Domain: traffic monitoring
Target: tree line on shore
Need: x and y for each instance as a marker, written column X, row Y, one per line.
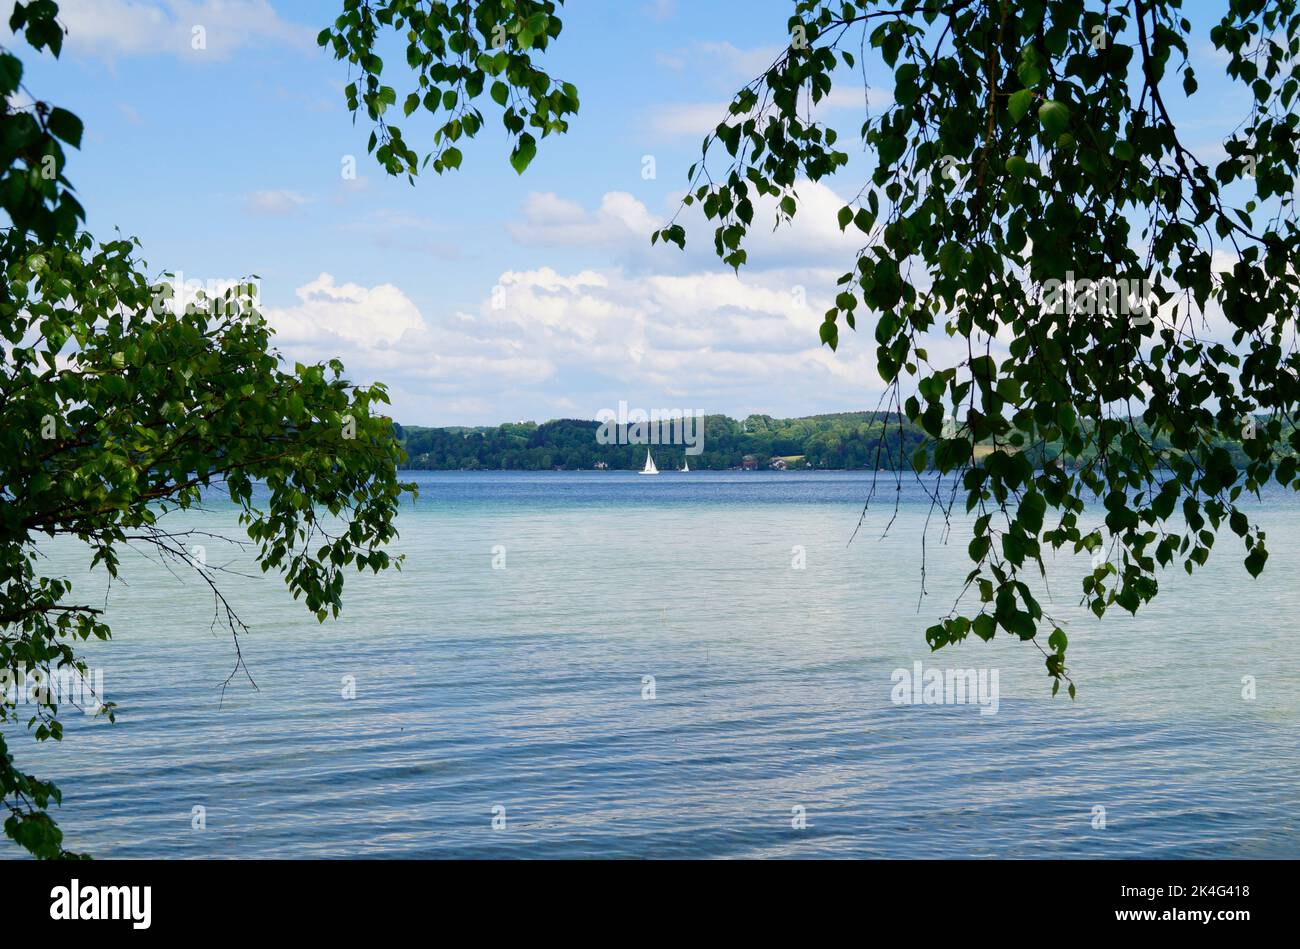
column 838, row 441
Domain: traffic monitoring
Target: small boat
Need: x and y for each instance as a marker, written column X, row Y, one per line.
column 649, row 464
column 686, row 465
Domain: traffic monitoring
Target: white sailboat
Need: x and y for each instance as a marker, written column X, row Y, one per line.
column 649, row 464
column 686, row 465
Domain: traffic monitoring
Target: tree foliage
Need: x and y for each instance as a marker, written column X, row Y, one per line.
column 457, row 51
column 120, row 404
column 839, row 441
column 881, row 441
column 1030, row 146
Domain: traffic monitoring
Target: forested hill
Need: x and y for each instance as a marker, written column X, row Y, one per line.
column 843, row 440
column 847, row 440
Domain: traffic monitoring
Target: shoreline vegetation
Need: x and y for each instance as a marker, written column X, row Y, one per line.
column 843, row 441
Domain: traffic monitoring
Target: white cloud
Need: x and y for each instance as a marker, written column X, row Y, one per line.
column 550, row 219
column 740, row 63
column 687, row 118
column 370, row 317
column 551, row 344
column 622, row 225
column 660, row 9
column 117, row 28
column 863, row 98
column 650, row 325
column 697, row 119
column 721, row 60
column 276, row 203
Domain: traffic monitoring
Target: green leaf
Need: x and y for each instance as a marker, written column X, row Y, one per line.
column 11, row 73
column 1019, row 103
column 524, row 153
column 1032, row 508
column 63, row 124
column 1054, row 117
column 1028, row 69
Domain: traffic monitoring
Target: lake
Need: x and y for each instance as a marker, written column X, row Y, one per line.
column 598, row 664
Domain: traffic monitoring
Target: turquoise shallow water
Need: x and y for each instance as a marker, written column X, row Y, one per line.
column 522, row 688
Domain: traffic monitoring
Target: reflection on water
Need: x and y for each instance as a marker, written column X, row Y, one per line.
column 526, row 689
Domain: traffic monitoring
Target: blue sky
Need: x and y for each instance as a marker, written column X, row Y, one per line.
column 480, row 296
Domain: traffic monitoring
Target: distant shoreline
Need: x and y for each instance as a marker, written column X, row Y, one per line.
column 666, row 471
column 849, row 441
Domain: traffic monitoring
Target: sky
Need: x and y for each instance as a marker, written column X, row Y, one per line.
column 480, row 296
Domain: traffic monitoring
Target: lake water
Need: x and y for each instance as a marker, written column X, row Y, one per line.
column 520, row 691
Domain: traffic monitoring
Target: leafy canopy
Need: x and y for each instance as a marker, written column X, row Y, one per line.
column 457, row 51
column 118, row 405
column 1032, row 199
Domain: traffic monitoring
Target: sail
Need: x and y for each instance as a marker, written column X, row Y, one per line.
column 649, row 464
column 686, row 464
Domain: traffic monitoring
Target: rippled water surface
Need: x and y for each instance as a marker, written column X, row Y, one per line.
column 522, row 688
